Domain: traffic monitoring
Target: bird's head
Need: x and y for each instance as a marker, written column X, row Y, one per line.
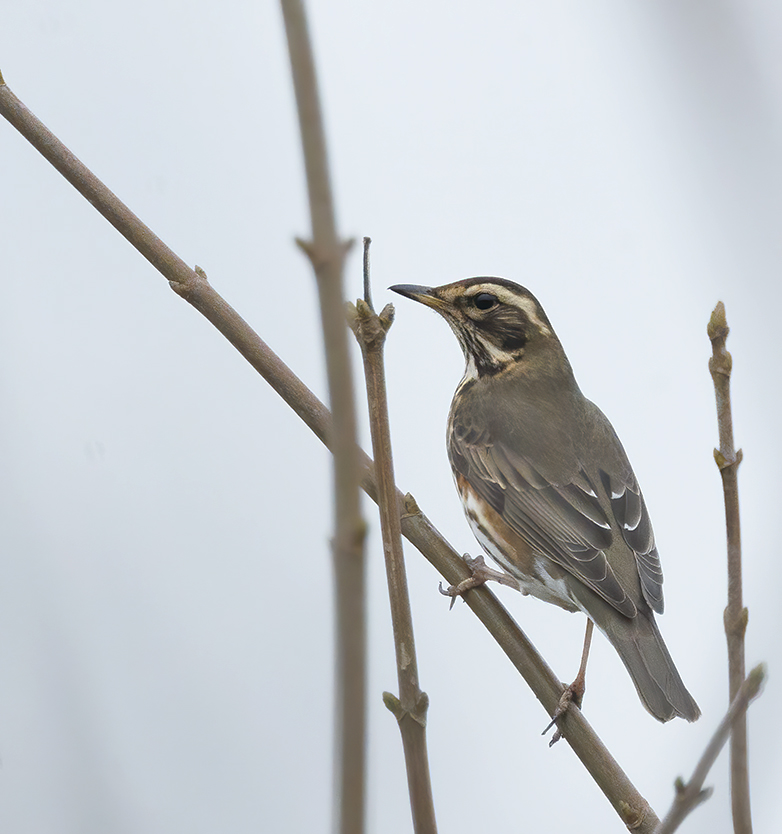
column 498, row 323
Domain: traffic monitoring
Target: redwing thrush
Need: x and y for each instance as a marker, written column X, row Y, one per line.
column 545, row 483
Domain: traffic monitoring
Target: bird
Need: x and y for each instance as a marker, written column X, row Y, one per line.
column 545, row 482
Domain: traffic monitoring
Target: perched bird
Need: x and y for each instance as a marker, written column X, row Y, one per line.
column 546, row 485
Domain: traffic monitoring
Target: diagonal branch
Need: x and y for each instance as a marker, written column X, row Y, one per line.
column 416, row 527
column 690, row 796
column 728, row 460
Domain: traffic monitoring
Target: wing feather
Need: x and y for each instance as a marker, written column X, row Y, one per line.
column 629, row 509
column 564, row 522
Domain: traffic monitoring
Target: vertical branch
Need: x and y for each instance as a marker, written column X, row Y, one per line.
column 327, row 253
column 411, row 707
column 728, row 460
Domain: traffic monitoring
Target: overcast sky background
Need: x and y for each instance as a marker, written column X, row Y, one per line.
column 165, row 585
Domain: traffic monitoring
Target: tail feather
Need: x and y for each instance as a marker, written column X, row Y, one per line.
column 640, row 645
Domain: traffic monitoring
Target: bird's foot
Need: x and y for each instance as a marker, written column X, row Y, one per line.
column 481, row 573
column 572, row 694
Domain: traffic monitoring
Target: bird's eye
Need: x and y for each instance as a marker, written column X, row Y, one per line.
column 484, row 300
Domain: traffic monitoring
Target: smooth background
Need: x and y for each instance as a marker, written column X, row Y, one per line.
column 165, row 589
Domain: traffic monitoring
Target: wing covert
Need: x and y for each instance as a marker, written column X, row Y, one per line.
column 564, row 522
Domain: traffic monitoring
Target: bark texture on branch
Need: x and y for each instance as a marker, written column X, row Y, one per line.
column 410, row 708
column 736, row 615
column 326, row 251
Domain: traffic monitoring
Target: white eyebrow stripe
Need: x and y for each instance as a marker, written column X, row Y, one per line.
column 531, row 310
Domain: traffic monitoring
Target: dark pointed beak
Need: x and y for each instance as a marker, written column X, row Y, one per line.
column 426, row 295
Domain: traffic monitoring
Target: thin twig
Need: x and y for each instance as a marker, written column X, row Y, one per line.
column 410, row 708
column 367, row 282
column 736, row 615
column 416, row 527
column 327, row 253
column 689, row 796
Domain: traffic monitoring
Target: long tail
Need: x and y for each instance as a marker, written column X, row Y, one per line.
column 640, row 645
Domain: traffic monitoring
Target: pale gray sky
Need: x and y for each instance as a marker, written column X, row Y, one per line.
column 165, row 608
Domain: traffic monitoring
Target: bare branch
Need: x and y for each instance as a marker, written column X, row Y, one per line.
column 416, row 527
column 690, row 796
column 411, row 707
column 736, row 615
column 93, row 190
column 327, row 253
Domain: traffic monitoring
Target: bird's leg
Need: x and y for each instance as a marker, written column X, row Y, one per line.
column 575, row 692
column 481, row 573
